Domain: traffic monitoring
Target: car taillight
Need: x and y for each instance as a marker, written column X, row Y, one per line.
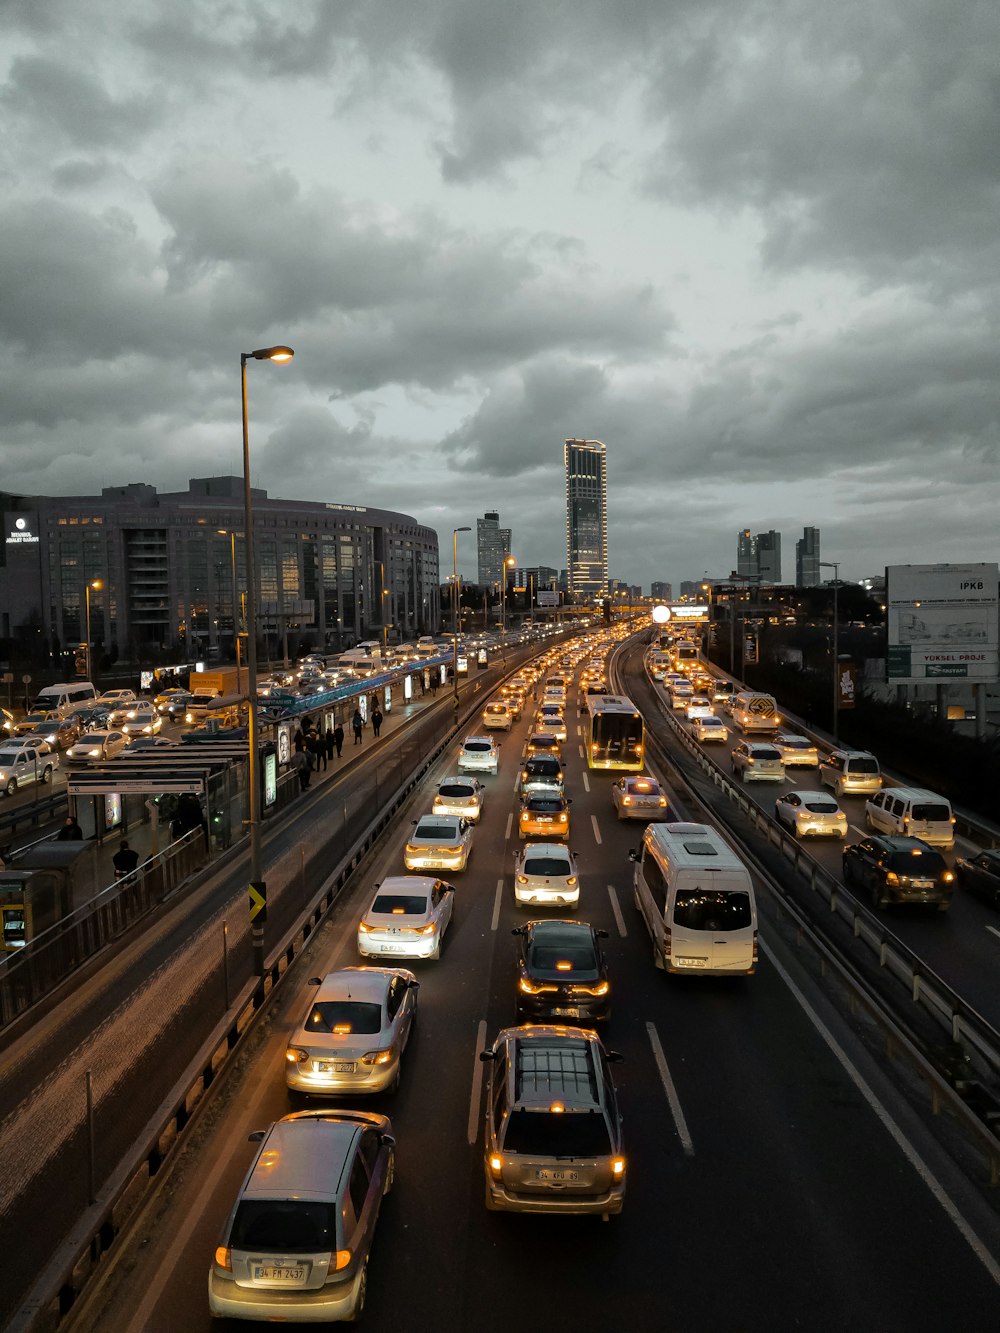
column 618, row 1168
column 947, row 876
column 522, row 879
column 224, row 1258
column 754, row 956
column 377, row 1057
column 626, row 800
column 339, row 1260
column 892, row 879
column 364, row 928
column 570, row 879
column 563, row 818
column 496, row 1165
column 296, row 1056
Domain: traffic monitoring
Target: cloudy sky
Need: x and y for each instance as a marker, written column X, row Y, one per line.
column 753, row 245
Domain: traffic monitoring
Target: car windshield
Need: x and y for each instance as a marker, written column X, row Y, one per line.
column 280, row 1226
column 456, row 789
column 926, row 810
column 821, row 807
column 478, row 747
column 344, row 1016
column 712, row 909
column 544, row 1134
column 916, row 861
column 863, row 764
column 436, row 832
column 400, row 904
column 545, row 865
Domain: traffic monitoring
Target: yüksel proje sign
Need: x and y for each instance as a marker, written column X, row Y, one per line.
column 942, row 622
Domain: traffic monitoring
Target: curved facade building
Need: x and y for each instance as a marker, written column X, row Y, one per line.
column 171, row 571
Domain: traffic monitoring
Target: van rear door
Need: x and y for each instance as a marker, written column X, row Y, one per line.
column 713, row 924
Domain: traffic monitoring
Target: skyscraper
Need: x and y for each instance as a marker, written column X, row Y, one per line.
column 807, row 559
column 586, row 518
column 493, row 544
column 746, row 554
column 661, row 591
column 769, row 556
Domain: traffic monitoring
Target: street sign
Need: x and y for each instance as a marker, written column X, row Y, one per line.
column 25, row 680
column 258, row 903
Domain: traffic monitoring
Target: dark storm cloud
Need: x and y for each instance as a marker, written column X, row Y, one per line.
column 57, row 96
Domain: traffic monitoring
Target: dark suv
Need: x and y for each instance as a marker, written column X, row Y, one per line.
column 899, row 870
column 561, row 972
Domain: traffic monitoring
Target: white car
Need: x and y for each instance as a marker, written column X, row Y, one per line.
column 460, row 796
column 639, row 797
column 142, row 719
column 550, row 718
column 545, row 875
column 814, row 812
column 96, row 746
column 407, row 918
column 708, row 727
column 117, row 702
column 497, row 716
column 680, row 696
column 796, row 751
column 438, row 842
column 23, row 766
column 478, row 754
column 697, row 706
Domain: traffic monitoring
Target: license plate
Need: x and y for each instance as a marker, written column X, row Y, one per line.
column 922, row 884
column 277, row 1273
column 691, row 962
column 393, row 948
column 547, row 1173
column 566, row 1013
column 337, row 1067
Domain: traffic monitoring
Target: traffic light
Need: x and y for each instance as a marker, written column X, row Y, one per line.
column 80, row 660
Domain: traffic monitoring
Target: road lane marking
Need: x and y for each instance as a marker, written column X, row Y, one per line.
column 586, row 781
column 993, row 931
column 583, row 752
column 579, row 730
column 860, row 832
column 496, row 905
column 477, row 1082
column 619, row 919
column 668, row 1087
column 597, row 831
column 510, row 825
column 896, row 1134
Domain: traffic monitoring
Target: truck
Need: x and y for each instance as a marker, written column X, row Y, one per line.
column 213, row 684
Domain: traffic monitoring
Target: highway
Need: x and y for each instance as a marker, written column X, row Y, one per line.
column 775, row 1179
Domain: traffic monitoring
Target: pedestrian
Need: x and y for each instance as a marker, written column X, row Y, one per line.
column 330, row 743
column 124, row 860
column 317, row 750
column 376, row 721
column 298, row 763
column 299, row 740
column 357, row 722
column 70, row 831
column 338, row 737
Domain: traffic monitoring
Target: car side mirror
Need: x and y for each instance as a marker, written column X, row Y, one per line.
column 314, row 981
column 413, row 985
column 601, row 934
column 387, row 1140
column 633, row 855
column 487, row 1056
column 257, row 1136
column 569, row 800
column 615, row 1057
column 518, row 930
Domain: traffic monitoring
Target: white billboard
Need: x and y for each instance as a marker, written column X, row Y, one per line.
column 942, row 623
column 547, row 597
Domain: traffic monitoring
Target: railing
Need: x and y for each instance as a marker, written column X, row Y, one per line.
column 39, row 811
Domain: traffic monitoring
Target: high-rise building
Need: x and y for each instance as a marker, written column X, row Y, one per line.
column 746, row 554
column 661, row 592
column 586, row 518
column 807, row 559
column 690, row 590
column 493, row 545
column 769, row 556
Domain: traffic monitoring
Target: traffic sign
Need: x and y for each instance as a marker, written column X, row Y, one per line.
column 258, row 903
column 25, row 680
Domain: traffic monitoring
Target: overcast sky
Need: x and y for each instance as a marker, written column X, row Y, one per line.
column 754, row 247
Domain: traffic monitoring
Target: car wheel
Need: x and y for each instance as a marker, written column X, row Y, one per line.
column 393, row 1087
column 658, row 958
column 876, row 897
column 46, row 772
column 390, row 1174
column 10, row 788
column 359, row 1303
column 868, row 821
column 436, row 953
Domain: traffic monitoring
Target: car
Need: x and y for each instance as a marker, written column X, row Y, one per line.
column 550, row 718
column 639, row 796
column 850, row 772
column 553, row 1131
column 980, row 874
column 757, row 761
column 165, row 698
column 542, row 742
column 497, row 716
column 353, row 1037
column 153, row 743
column 796, row 751
column 438, row 842
column 542, row 772
column 544, row 814
column 478, row 754
column 97, row 746
column 407, row 918
column 698, row 705
column 142, row 719
column 562, row 973
column 58, row 734
column 723, row 689
column 6, row 722
column 94, row 718
column 24, row 766
column 33, row 741
column 814, row 812
column 514, row 699
column 680, row 696
column 38, row 718
column 295, row 1245
column 460, row 796
column 707, row 728
column 899, row 870
column 117, row 703
column 545, row 875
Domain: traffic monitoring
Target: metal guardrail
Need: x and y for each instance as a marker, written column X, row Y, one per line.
column 39, row 811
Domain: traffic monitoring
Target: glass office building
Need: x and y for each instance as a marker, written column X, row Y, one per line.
column 586, row 518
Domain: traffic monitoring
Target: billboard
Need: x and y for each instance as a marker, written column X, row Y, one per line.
column 941, row 623
column 546, row 597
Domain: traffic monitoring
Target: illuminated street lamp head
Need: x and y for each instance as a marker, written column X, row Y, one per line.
column 96, row 583
column 510, row 561
column 280, row 353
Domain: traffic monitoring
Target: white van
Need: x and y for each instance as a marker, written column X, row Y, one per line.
column 753, row 711
column 697, row 900
column 914, row 813
column 65, row 698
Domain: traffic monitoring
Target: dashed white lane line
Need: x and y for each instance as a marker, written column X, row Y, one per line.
column 895, row 1133
column 859, row 831
column 597, row 831
column 993, row 931
column 619, row 919
column 586, row 781
column 477, row 1082
column 583, row 753
column 510, row 825
column 666, row 1079
column 496, row 905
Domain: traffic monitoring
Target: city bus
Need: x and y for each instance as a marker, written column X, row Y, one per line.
column 613, row 733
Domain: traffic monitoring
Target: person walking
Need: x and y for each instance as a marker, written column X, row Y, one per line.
column 330, row 743
column 125, row 860
column 317, row 749
column 376, row 721
column 357, row 722
column 338, row 737
column 299, row 741
column 373, row 704
column 70, row 831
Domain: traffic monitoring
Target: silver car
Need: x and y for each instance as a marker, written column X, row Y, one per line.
column 353, row 1037
column 796, row 751
column 545, row 875
column 478, row 754
column 96, row 746
column 757, row 761
column 814, row 812
column 408, row 918
column 639, row 797
column 438, row 842
column 23, row 766
column 460, row 796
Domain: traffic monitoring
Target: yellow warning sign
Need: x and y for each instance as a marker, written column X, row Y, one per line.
column 258, row 903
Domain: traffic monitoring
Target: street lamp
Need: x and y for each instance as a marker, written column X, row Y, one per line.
column 95, row 584
column 456, row 597
column 835, row 566
column 508, row 563
column 256, row 883
column 228, row 532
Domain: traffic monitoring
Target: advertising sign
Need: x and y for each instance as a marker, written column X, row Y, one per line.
column 847, row 684
column 270, row 778
column 546, row 597
column 942, row 623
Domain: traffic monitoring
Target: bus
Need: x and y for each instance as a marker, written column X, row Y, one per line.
column 614, row 733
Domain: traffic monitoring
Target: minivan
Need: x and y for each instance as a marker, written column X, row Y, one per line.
column 850, row 772
column 65, row 697
column 914, row 813
column 697, row 900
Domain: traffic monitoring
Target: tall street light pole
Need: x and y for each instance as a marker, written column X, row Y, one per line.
column 456, row 598
column 508, row 563
column 835, row 566
column 257, row 886
column 94, row 583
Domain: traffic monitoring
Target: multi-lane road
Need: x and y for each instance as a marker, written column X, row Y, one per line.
column 775, row 1180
